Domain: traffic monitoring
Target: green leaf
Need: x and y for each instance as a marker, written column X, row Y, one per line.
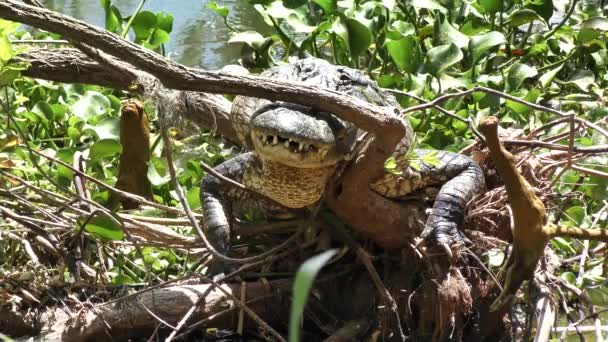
column 104, row 148
column 399, row 29
column 6, row 50
column 445, row 33
column 91, row 104
column 405, row 53
column 543, row 7
column 301, row 288
column 524, row 16
column 155, row 178
column 108, row 128
column 390, row 166
column 104, row 226
column 360, row 37
column 158, row 37
column 491, row 6
column 113, row 20
column 592, row 28
column 429, row 4
column 164, row 21
column 8, row 27
column 222, row 11
column 442, row 57
column 143, row 25
column 480, row 44
column 517, row 74
column 521, row 109
column 582, row 78
column 193, row 197
column 251, row 38
column 327, row 6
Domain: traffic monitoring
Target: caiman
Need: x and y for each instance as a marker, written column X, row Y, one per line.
column 295, row 150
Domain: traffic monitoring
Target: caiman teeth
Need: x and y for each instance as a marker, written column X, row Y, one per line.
column 286, row 144
column 300, row 147
column 275, row 139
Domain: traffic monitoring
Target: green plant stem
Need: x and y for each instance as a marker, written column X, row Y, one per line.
column 564, row 20
column 125, row 30
column 554, row 64
column 523, row 41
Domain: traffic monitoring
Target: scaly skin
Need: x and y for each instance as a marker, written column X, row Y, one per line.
column 295, row 151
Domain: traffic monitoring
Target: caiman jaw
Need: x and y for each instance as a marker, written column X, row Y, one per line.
column 292, row 145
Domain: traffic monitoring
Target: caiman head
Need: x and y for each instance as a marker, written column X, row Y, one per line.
column 300, row 137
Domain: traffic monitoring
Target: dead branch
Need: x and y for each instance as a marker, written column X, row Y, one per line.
column 72, row 66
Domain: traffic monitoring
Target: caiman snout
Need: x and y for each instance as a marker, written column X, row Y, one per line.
column 299, row 136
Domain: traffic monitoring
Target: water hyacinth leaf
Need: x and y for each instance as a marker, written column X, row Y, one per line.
column 301, row 288
column 143, row 25
column 405, row 53
column 340, row 30
column 8, row 27
column 518, row 73
column 592, row 28
column 91, row 104
column 360, row 37
column 251, row 38
column 521, row 109
column 108, row 128
column 399, row 29
column 113, row 19
column 445, row 33
column 222, row 11
column 491, row 6
column 543, row 7
column 429, row 4
column 524, row 16
column 582, row 78
column 155, row 178
column 102, row 225
column 164, row 21
column 327, row 6
column 158, row 37
column 104, row 148
column 442, row 57
column 6, row 49
column 480, row 44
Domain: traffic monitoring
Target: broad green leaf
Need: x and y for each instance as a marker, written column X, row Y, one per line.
column 155, row 178
column 222, row 11
column 193, row 197
column 327, row 6
column 543, row 7
column 521, row 109
column 164, row 21
column 65, row 174
column 360, row 37
column 6, row 50
column 8, row 27
column 582, row 78
column 576, row 216
column 45, row 109
column 90, row 104
column 491, row 6
column 108, row 128
column 113, row 20
column 301, row 289
column 104, row 148
column 143, row 25
column 158, row 37
column 442, row 57
column 475, row 26
column 405, row 53
column 399, row 29
column 592, row 28
column 104, row 226
column 429, row 4
column 517, row 74
column 480, row 44
column 251, row 38
column 445, row 33
column 523, row 16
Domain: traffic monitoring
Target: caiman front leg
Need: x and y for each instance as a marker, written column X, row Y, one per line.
column 217, row 198
column 462, row 179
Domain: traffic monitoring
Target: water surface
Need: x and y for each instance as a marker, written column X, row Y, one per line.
column 199, row 35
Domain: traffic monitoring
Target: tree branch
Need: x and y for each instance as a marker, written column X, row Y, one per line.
column 383, row 121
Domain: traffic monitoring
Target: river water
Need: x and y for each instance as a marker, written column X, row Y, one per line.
column 199, row 36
